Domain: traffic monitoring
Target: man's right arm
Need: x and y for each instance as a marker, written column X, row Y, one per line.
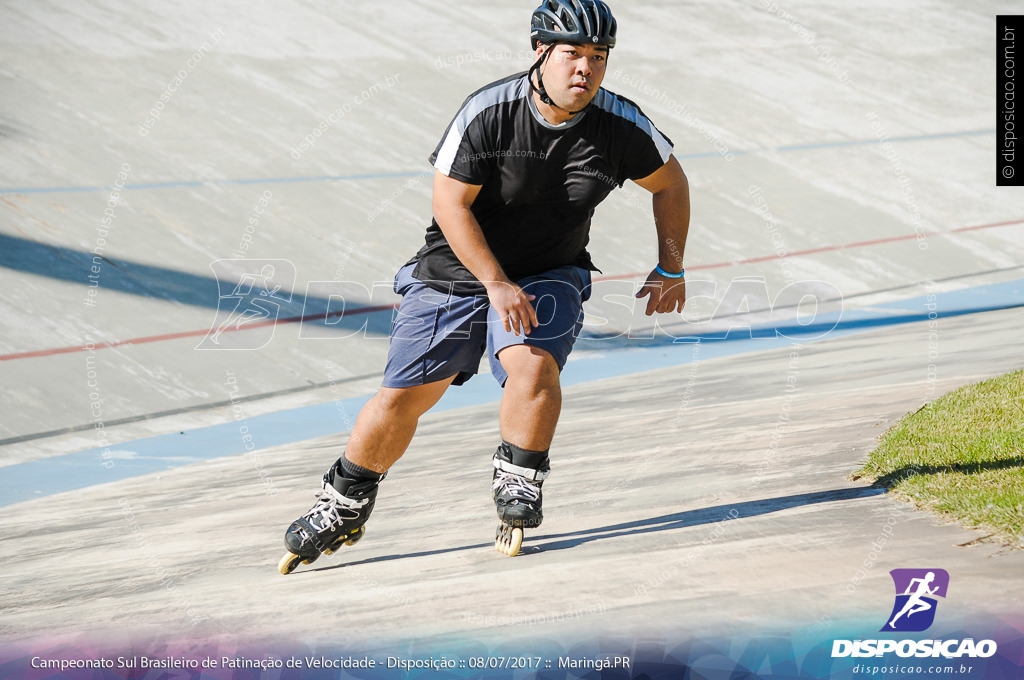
column 451, row 205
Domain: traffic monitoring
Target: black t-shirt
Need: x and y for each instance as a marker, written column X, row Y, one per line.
column 540, row 183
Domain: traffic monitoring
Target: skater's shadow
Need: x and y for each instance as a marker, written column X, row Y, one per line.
column 678, row 520
column 692, row 518
column 404, row 556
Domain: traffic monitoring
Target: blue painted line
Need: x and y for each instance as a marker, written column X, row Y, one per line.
column 863, row 142
column 218, row 182
column 36, row 479
column 392, row 175
column 829, row 145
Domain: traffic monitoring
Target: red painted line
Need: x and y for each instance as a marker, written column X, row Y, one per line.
column 382, row 308
column 814, row 251
column 190, row 334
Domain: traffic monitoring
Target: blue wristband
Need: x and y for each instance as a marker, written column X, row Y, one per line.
column 669, row 275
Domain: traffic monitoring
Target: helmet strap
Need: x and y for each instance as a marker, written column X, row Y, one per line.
column 539, row 86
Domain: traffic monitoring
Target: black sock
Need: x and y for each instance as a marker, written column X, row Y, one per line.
column 358, row 472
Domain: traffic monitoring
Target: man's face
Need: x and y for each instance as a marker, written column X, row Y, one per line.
column 573, row 73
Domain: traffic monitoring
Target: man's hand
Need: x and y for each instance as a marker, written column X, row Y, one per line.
column 667, row 295
column 512, row 306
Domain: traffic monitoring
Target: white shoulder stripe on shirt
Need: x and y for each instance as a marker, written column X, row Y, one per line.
column 503, row 92
column 619, row 107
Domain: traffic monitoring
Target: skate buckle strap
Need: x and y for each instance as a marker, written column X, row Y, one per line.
column 528, row 473
column 344, row 500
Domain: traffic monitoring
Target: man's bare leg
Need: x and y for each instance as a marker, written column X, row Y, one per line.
column 532, row 400
column 381, row 435
column 529, row 413
column 385, row 426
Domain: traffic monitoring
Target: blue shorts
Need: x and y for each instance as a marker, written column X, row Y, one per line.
column 438, row 335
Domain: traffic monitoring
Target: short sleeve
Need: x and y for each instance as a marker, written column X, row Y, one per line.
column 647, row 151
column 466, row 151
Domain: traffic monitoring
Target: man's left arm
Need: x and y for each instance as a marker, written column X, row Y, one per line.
column 672, row 220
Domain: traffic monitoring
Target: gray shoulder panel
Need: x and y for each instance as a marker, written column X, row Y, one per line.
column 505, row 91
column 617, row 106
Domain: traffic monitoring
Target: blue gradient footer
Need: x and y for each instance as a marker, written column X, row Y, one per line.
column 806, row 653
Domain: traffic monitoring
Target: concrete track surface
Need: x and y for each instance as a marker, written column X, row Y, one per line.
column 844, row 150
column 701, row 525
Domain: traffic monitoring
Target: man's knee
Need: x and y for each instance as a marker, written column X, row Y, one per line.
column 530, row 363
column 415, row 400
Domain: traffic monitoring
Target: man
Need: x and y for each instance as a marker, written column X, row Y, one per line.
column 518, row 175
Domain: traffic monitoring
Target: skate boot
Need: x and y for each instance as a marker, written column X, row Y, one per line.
column 518, row 477
column 336, row 519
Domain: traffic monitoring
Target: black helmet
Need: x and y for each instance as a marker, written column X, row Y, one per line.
column 573, row 21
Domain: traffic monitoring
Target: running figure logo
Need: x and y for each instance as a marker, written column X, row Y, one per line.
column 251, row 294
column 914, row 610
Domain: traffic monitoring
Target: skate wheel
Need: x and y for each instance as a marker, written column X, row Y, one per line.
column 334, row 547
column 354, row 537
column 348, row 539
column 508, row 539
column 289, row 563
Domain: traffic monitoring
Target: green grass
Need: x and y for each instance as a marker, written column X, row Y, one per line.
column 962, row 456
